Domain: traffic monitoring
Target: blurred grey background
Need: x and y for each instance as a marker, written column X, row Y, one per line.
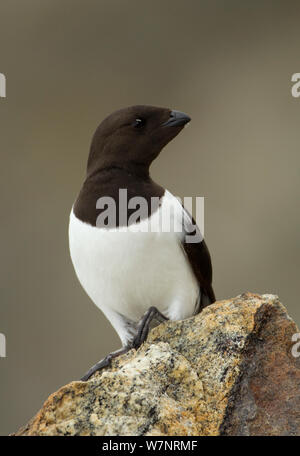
column 68, row 64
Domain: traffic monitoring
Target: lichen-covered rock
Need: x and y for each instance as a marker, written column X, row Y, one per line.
column 228, row 371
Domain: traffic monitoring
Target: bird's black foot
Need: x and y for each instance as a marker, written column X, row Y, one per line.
column 105, row 362
column 152, row 318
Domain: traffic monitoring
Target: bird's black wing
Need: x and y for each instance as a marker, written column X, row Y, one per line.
column 198, row 255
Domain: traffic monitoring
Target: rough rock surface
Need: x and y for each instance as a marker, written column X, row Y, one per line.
column 229, row 371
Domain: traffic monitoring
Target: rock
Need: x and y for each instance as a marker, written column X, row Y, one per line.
column 227, row 371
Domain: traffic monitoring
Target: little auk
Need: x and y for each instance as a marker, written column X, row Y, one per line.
column 134, row 269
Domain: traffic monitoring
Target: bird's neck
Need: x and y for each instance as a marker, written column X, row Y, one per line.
column 134, row 169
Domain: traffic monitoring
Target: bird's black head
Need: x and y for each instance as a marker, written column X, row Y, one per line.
column 133, row 137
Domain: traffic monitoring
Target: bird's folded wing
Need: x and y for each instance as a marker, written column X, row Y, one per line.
column 198, row 255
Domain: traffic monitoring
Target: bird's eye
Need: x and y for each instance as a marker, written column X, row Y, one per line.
column 139, row 122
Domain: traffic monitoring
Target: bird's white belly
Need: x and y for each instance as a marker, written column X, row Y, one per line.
column 127, row 272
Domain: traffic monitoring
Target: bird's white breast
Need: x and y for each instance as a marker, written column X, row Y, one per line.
column 126, row 271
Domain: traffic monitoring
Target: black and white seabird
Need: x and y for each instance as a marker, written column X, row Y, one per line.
column 136, row 276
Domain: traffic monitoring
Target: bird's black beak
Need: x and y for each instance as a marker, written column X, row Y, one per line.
column 177, row 119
